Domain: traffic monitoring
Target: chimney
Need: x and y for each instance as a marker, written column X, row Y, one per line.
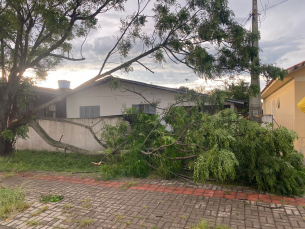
column 63, row 85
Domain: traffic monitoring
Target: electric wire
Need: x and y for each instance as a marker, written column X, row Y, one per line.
column 263, row 10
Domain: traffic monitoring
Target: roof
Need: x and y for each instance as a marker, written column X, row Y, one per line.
column 286, row 79
column 44, row 90
column 108, row 78
column 238, row 101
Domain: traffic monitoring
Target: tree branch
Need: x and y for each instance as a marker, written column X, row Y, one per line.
column 182, row 158
column 65, row 57
column 164, row 146
column 89, row 82
column 116, row 44
column 145, row 67
column 117, row 150
column 138, row 93
column 77, row 124
column 95, row 13
column 43, row 134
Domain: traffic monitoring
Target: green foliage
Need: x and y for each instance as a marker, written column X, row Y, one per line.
column 11, row 201
column 182, row 28
column 51, row 197
column 32, row 222
column 115, row 135
column 25, row 94
column 240, row 91
column 223, row 146
column 111, row 172
column 268, row 160
column 272, row 72
column 29, row 160
column 219, row 163
column 10, row 135
column 204, row 224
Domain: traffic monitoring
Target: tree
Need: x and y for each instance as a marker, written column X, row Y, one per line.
column 239, row 90
column 37, row 34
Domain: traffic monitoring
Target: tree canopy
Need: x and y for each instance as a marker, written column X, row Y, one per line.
column 37, row 35
column 240, row 91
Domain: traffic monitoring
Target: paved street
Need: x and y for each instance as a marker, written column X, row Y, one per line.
column 149, row 204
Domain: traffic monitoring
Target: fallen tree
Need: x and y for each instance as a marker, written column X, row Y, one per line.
column 200, row 146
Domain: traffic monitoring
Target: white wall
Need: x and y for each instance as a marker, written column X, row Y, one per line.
column 73, row 135
column 112, row 101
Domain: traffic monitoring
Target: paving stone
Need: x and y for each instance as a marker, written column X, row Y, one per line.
column 160, row 203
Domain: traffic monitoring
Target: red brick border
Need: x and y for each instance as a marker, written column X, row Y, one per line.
column 174, row 189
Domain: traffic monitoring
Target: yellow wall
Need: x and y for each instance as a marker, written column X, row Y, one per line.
column 288, row 114
column 283, row 115
column 300, row 116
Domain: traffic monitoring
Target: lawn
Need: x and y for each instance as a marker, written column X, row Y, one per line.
column 31, row 161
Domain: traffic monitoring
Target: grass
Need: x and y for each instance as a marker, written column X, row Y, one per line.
column 86, row 222
column 86, row 203
column 30, row 161
column 43, row 209
column 184, row 217
column 32, row 222
column 67, row 207
column 129, row 184
column 51, row 198
column 204, row 224
column 11, row 201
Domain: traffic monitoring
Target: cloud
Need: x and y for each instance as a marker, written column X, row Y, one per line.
column 274, row 50
column 282, row 41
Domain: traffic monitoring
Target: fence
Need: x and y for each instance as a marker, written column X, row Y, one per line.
column 67, row 133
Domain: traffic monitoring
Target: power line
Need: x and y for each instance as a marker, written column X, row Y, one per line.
column 274, row 4
column 267, row 6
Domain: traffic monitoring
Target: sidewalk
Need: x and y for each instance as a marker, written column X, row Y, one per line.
column 150, row 204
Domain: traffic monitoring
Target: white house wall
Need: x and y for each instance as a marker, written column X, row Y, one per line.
column 111, row 101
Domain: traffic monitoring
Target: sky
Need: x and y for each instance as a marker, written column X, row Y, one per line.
column 282, row 42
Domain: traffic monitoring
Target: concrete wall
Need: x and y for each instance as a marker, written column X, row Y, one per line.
column 73, row 135
column 111, row 101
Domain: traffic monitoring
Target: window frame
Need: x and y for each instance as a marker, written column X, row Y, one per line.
column 89, row 111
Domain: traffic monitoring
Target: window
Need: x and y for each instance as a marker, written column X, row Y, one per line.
column 145, row 108
column 278, row 103
column 89, row 111
column 52, row 107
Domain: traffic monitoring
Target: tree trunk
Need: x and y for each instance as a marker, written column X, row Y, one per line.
column 6, row 147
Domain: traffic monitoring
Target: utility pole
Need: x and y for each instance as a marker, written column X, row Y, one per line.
column 255, row 106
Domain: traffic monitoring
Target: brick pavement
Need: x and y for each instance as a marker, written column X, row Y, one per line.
column 150, row 204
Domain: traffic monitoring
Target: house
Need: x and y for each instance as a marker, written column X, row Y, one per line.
column 280, row 99
column 101, row 100
column 43, row 95
column 96, row 106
